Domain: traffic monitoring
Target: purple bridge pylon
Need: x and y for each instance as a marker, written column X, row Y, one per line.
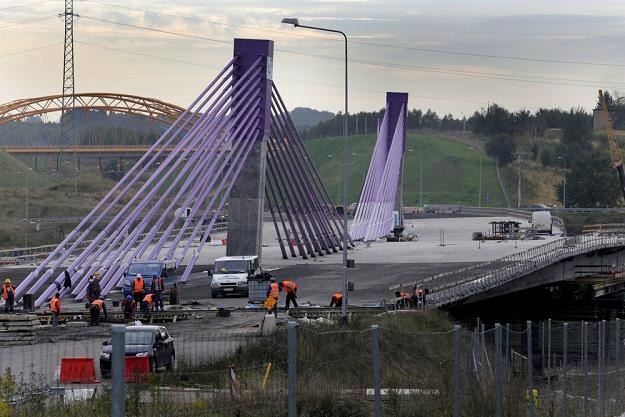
column 235, row 146
column 382, row 189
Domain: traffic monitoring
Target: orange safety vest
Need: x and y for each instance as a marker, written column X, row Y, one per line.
column 274, row 292
column 138, row 285
column 337, row 296
column 6, row 288
column 157, row 284
column 289, row 286
column 55, row 305
column 148, row 299
column 99, row 304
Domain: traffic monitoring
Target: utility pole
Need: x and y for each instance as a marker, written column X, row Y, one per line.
column 518, row 192
column 479, row 203
column 68, row 133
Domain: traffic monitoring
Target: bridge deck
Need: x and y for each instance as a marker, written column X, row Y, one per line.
column 451, row 287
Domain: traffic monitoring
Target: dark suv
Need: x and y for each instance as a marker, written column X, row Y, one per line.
column 151, row 341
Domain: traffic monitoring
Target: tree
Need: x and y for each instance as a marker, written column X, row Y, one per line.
column 430, row 120
column 591, row 180
column 501, row 147
column 577, row 128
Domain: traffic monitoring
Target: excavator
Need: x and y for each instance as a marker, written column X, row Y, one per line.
column 617, row 158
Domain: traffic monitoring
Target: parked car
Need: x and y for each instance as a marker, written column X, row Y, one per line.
column 151, row 341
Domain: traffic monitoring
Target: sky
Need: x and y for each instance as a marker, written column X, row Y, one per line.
column 451, row 56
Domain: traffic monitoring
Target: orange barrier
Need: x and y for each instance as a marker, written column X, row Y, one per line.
column 136, row 369
column 78, row 371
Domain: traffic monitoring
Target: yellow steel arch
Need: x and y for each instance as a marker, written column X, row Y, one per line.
column 113, row 102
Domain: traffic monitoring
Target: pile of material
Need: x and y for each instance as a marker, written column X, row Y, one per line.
column 17, row 329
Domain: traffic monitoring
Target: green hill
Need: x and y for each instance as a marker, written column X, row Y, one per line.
column 13, row 174
column 450, row 169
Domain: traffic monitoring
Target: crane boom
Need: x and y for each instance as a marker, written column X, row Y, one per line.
column 615, row 151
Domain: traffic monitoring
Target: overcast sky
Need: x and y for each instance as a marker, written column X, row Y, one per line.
column 432, row 50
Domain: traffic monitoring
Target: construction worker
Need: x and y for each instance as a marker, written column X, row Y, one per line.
column 138, row 286
column 158, row 286
column 291, row 293
column 129, row 307
column 337, row 300
column 147, row 305
column 273, row 291
column 97, row 307
column 93, row 290
column 8, row 295
column 55, row 309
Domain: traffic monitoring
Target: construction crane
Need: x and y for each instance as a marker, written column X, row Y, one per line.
column 617, row 158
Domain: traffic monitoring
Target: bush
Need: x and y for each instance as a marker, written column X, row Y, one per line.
column 501, row 147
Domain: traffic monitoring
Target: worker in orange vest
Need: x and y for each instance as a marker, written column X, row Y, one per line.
column 138, row 286
column 147, row 304
column 8, row 295
column 98, row 307
column 337, row 300
column 55, row 308
column 273, row 291
column 291, row 293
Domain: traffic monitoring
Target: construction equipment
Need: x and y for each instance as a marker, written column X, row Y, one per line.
column 617, row 158
column 398, row 235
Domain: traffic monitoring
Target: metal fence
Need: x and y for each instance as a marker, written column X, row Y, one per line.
column 459, row 284
column 537, row 369
column 17, row 256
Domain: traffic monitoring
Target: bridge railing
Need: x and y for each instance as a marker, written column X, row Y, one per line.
column 19, row 256
column 475, row 279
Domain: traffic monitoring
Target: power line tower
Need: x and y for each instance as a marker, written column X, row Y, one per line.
column 67, row 124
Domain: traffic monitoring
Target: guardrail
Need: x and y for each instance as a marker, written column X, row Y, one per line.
column 18, row 256
column 475, row 279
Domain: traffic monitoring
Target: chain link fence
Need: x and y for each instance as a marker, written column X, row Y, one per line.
column 537, row 369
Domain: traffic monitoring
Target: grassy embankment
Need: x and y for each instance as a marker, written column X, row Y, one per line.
column 451, row 169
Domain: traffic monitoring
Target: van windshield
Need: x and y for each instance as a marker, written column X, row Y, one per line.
column 231, row 267
column 145, row 269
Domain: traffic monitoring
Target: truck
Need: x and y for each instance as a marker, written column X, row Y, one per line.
column 230, row 275
column 542, row 222
column 166, row 269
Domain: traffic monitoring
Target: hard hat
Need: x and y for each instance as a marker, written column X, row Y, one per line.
column 272, row 279
column 154, row 275
column 97, row 274
column 129, row 298
column 7, row 281
column 138, row 276
column 102, row 297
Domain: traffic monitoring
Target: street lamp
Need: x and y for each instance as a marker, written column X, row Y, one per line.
column 564, row 182
column 295, row 22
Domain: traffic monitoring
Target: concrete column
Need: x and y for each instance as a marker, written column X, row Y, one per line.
column 397, row 102
column 247, row 197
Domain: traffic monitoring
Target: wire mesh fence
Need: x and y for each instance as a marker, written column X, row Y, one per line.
column 546, row 368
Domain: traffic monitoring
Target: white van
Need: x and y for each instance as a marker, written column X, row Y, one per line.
column 542, row 222
column 230, row 275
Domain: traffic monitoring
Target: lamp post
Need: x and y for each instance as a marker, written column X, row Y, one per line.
column 564, row 181
column 480, row 193
column 295, row 22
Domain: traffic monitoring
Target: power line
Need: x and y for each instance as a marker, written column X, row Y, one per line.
column 30, row 50
column 445, row 71
column 26, row 21
column 377, row 45
column 22, row 5
column 126, row 51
